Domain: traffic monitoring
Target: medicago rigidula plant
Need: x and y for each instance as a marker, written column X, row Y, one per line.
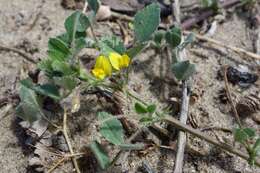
column 66, row 73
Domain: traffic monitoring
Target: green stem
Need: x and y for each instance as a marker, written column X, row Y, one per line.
column 136, row 98
column 93, row 33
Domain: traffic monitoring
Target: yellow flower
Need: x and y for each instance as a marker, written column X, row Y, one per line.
column 114, row 59
column 102, row 68
column 119, row 61
column 124, row 61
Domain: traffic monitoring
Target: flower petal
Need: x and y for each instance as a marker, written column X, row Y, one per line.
column 102, row 68
column 99, row 73
column 99, row 61
column 124, row 61
column 106, row 66
column 114, row 59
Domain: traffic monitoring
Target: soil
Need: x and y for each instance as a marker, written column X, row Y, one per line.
column 27, row 26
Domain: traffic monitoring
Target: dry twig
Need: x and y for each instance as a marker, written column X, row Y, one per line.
column 124, row 32
column 205, row 14
column 185, row 102
column 230, row 98
column 56, row 165
column 200, row 135
column 23, row 54
column 66, row 136
column 122, row 17
column 63, row 159
column 215, row 128
column 91, row 29
column 218, row 43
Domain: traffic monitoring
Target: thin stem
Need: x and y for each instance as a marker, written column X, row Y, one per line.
column 185, row 97
column 75, row 155
column 230, row 98
column 93, row 33
column 56, row 165
column 91, row 27
column 136, row 98
column 112, row 118
column 66, row 136
column 74, row 33
column 62, row 160
column 218, row 43
column 181, row 126
column 132, row 137
column 200, row 135
column 85, row 7
column 49, row 121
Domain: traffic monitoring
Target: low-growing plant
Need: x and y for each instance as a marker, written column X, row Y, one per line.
column 65, row 73
column 211, row 4
column 249, row 139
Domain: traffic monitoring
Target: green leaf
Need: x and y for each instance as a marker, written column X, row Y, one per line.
column 62, row 67
column 249, row 2
column 65, row 38
column 45, row 89
column 173, row 37
column 94, row 5
column 132, row 52
column 111, row 129
column 158, row 37
column 58, row 44
column 183, row 70
column 257, row 143
column 49, row 90
column 250, row 132
column 100, row 154
column 146, row 22
column 140, row 109
column 45, row 65
column 80, row 43
column 212, row 4
column 241, row 135
column 56, row 55
column 89, row 42
column 111, row 44
column 131, row 146
column 76, row 23
column 188, row 40
column 66, row 82
column 27, row 83
column 105, row 49
column 29, row 108
column 256, row 147
column 58, row 50
column 151, row 108
column 146, row 120
column 83, row 74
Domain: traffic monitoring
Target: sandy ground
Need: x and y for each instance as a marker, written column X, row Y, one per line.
column 16, row 18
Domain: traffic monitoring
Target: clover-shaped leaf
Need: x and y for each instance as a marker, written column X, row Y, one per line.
column 76, row 25
column 242, row 134
column 101, row 155
column 94, row 5
column 111, row 129
column 29, row 108
column 146, row 22
column 173, row 37
column 182, row 70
